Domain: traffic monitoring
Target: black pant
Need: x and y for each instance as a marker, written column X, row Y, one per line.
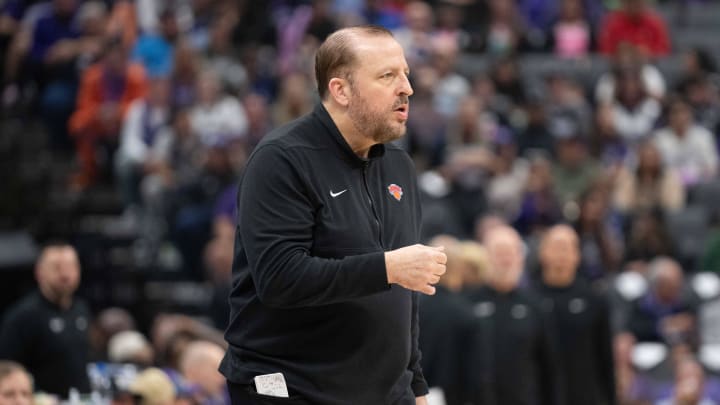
column 246, row 395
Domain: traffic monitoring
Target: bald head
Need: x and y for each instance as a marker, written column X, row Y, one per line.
column 199, row 365
column 559, row 255
column 666, row 278
column 506, row 257
column 337, row 56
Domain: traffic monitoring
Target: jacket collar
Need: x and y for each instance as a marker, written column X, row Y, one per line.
column 376, row 151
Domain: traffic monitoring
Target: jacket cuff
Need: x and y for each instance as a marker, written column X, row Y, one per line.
column 378, row 272
column 419, row 388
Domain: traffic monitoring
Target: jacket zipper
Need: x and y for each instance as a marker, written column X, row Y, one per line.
column 372, row 205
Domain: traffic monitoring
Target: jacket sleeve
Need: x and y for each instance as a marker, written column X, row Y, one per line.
column 14, row 339
column 276, row 218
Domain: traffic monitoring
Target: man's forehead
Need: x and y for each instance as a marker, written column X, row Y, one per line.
column 378, row 50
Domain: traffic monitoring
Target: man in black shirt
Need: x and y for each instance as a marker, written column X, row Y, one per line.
column 581, row 321
column 326, row 255
column 515, row 359
column 47, row 331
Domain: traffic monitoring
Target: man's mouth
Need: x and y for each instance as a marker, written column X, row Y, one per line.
column 402, row 111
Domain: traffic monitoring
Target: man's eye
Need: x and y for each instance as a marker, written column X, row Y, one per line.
column 387, row 75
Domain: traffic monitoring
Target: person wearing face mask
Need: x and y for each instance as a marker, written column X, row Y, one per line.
column 581, row 325
column 515, row 359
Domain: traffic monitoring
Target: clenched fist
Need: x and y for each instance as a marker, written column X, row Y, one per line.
column 417, row 267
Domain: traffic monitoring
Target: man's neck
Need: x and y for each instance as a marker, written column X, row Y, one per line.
column 359, row 143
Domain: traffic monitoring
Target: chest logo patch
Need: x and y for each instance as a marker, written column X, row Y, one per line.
column 395, row 191
column 519, row 311
column 57, row 325
column 576, row 305
column 484, row 309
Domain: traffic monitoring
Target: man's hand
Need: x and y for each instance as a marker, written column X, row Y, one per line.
column 416, row 267
column 421, row 401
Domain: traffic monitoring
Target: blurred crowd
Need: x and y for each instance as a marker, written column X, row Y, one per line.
column 163, row 101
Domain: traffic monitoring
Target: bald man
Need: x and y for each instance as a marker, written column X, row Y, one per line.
column 581, row 325
column 516, row 362
column 328, row 268
column 47, row 331
column 199, row 366
column 665, row 313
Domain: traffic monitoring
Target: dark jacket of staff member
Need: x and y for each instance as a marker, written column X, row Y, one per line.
column 581, row 321
column 326, row 259
column 515, row 358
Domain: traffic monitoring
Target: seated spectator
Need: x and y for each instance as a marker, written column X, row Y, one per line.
column 600, row 237
column 687, row 148
column 566, row 100
column 574, row 170
column 536, row 138
column 509, row 175
column 450, row 87
column 47, row 331
column 629, row 58
column 505, row 30
column 689, row 386
column 427, row 130
column 106, row 324
column 155, row 50
column 106, row 92
column 634, row 111
column 130, row 347
column 571, row 36
column 703, row 95
column 650, row 185
column 216, row 118
column 646, row 239
column 665, row 313
column 145, row 141
column 697, row 63
column 199, row 367
column 222, row 57
column 16, row 385
column 540, row 206
column 416, row 36
column 637, row 24
column 608, row 146
column 509, row 87
column 186, row 69
column 260, row 123
column 153, row 387
column 294, row 100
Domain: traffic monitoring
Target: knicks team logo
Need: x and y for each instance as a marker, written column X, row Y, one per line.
column 395, row 191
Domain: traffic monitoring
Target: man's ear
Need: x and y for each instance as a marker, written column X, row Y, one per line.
column 340, row 91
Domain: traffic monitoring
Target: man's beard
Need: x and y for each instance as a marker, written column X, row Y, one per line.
column 374, row 124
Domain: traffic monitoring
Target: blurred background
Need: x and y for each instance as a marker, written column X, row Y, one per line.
column 125, row 126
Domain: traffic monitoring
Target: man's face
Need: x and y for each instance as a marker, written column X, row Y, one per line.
column 58, row 272
column 506, row 258
column 16, row 389
column 560, row 255
column 378, row 105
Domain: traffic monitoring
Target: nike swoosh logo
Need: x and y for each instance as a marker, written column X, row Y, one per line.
column 333, row 195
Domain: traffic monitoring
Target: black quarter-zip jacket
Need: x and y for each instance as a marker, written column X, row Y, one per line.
column 310, row 296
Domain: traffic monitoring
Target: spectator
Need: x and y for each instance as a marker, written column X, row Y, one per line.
column 295, row 99
column 199, row 366
column 566, row 101
column 260, row 123
column 155, row 50
column 145, row 142
column 505, row 31
column 703, row 95
column 153, row 387
column 222, row 57
column 689, row 385
column 571, row 36
column 47, row 331
column 637, row 24
column 540, row 206
column 514, row 358
column 651, row 185
column 687, row 148
column 509, row 176
column 416, row 36
column 106, row 92
column 646, row 239
column 216, row 118
column 665, row 313
column 629, row 59
column 581, row 318
column 634, row 111
column 106, row 324
column 186, row 68
column 535, row 138
column 446, row 322
column 574, row 170
column 16, row 385
column 451, row 87
column 697, row 63
column 130, row 347
column 600, row 240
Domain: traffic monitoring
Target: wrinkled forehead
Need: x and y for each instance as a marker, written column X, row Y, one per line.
column 377, row 51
